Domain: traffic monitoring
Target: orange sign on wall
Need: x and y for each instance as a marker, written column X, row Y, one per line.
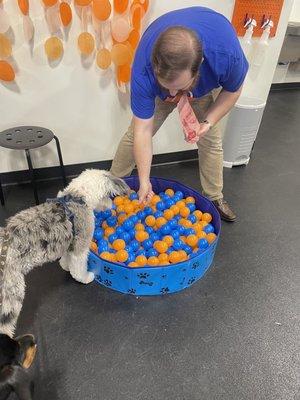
column 260, row 10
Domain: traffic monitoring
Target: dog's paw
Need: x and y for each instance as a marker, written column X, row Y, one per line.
column 88, row 277
column 64, row 263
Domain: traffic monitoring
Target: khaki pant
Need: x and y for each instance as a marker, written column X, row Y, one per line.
column 209, row 148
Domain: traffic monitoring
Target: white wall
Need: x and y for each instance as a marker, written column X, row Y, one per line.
column 80, row 103
column 295, row 14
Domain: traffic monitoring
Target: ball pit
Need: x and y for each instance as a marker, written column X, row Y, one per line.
column 161, row 248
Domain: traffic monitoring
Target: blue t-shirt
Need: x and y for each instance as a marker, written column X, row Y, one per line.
column 224, row 62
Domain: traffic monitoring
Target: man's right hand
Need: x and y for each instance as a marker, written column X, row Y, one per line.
column 145, row 192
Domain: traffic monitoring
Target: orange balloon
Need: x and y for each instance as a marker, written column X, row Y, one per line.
column 5, row 46
column 7, row 73
column 86, row 43
column 134, row 38
column 120, row 6
column 101, row 9
column 120, row 29
column 82, row 3
column 124, row 73
column 121, row 54
column 24, row 6
column 54, row 48
column 65, row 13
column 103, row 59
column 49, row 3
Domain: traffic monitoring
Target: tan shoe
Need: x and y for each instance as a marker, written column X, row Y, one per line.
column 224, row 210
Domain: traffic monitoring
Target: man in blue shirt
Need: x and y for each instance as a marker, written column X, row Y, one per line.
column 193, row 52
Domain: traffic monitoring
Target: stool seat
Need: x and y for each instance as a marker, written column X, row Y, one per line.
column 25, row 137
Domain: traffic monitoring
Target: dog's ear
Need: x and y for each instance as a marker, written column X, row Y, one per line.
column 119, row 186
column 27, row 350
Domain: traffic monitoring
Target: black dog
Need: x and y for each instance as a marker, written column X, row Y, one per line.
column 16, row 356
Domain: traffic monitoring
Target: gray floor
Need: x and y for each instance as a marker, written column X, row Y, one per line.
column 232, row 336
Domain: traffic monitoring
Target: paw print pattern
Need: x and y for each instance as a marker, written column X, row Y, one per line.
column 99, row 278
column 107, row 282
column 131, row 291
column 192, row 280
column 164, row 276
column 182, row 282
column 108, row 270
column 164, row 290
column 143, row 275
column 126, row 278
column 196, row 265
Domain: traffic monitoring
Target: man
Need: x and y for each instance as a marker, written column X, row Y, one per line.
column 184, row 52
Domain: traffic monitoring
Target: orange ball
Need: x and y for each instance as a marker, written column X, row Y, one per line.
column 104, row 225
column 153, row 261
column 175, row 209
column 127, row 200
column 121, row 218
column 121, row 208
column 180, row 204
column 169, row 240
column 162, row 263
column 160, row 246
column 133, row 264
column 155, row 199
column 108, row 231
column 170, row 192
column 141, row 236
column 119, row 244
column 183, row 255
column 150, row 220
column 93, row 247
column 183, row 239
column 121, row 255
column 105, row 255
column 163, row 257
column 201, row 234
column 160, row 221
column 185, row 212
column 128, row 208
column 206, row 217
column 174, row 257
column 198, row 214
column 211, row 237
column 168, row 214
column 192, row 240
column 190, row 199
column 141, row 260
column 118, row 200
column 135, row 203
column 139, row 227
column 185, row 222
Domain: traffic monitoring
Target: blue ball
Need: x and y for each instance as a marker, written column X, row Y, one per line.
column 119, row 230
column 106, row 214
column 203, row 244
column 133, row 196
column 147, row 244
column 187, row 249
column 165, row 229
column 151, row 253
column 181, row 230
column 134, row 244
column 148, row 210
column 177, row 217
column 189, row 231
column 112, row 221
column 131, row 258
column 179, row 194
column 128, row 225
column 173, row 223
column 141, row 215
column 98, row 214
column 132, row 234
column 191, row 206
column 170, row 249
column 162, row 194
column 149, row 230
column 112, row 251
column 112, row 237
column 175, row 234
column 129, row 248
column 141, row 252
column 192, row 218
column 102, row 245
column 154, row 237
column 125, row 236
column 158, row 214
column 134, row 219
column 209, row 228
column 178, row 244
column 98, row 234
column 169, row 203
column 160, row 205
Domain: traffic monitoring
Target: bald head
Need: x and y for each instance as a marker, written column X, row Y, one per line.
column 177, row 49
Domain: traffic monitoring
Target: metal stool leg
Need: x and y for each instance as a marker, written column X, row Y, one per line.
column 32, row 176
column 1, row 194
column 62, row 167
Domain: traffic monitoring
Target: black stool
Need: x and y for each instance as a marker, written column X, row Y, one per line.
column 27, row 138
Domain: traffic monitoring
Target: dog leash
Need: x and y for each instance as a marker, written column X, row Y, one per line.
column 63, row 201
column 3, row 256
